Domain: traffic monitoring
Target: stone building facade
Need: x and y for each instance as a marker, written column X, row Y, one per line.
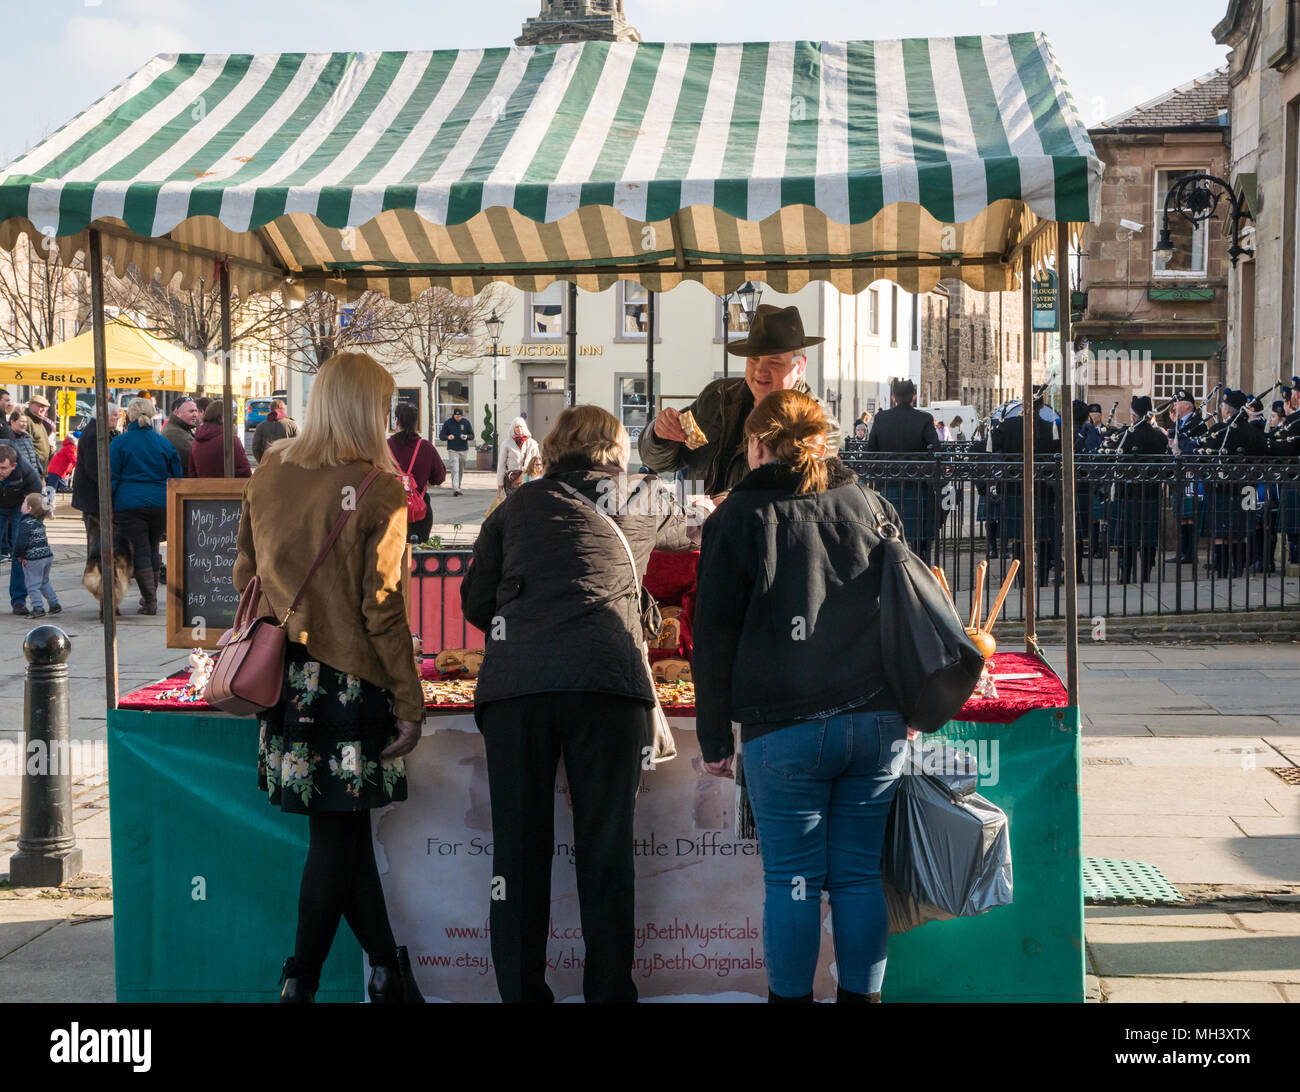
column 1154, row 326
column 1263, row 293
column 578, row 21
column 972, row 346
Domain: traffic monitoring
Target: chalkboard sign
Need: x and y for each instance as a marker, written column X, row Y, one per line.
column 202, row 543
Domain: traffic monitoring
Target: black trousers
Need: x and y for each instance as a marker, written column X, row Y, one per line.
column 600, row 737
column 421, row 529
column 144, row 527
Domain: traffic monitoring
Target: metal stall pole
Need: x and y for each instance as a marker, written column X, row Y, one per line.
column 573, row 343
column 649, row 359
column 1028, row 539
column 1070, row 541
column 228, row 428
column 106, row 562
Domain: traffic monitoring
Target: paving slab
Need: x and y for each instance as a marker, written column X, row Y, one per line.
column 22, row 920
column 1231, row 752
column 1105, row 825
column 1147, row 991
column 1214, row 724
column 1190, row 917
column 1230, row 955
column 1130, row 790
column 1283, row 799
column 1115, row 654
column 1152, row 698
column 1243, row 860
column 1108, row 731
column 1269, row 921
column 66, row 963
column 1257, row 826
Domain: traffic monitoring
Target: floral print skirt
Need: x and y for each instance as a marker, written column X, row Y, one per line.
column 318, row 750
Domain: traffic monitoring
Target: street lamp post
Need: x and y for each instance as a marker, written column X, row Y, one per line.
column 1196, row 197
column 493, row 326
column 748, row 295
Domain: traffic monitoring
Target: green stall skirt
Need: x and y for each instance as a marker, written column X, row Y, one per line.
column 1031, row 950
column 205, row 871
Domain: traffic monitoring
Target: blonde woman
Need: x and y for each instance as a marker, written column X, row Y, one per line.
column 516, row 456
column 351, row 705
column 552, row 586
column 140, row 462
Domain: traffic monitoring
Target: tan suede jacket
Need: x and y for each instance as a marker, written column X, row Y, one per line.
column 353, row 616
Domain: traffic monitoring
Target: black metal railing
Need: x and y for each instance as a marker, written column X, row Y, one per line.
column 1155, row 534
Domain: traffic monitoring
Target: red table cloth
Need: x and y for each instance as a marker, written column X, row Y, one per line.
column 1015, row 697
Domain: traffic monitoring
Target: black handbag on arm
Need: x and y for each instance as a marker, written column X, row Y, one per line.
column 930, row 664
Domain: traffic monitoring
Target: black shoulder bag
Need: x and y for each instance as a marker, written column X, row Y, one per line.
column 931, row 666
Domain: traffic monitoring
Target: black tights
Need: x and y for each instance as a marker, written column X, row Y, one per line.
column 341, row 879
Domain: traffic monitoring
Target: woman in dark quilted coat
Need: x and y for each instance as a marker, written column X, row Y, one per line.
column 553, row 590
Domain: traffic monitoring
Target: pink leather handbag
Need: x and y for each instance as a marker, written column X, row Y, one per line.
column 248, row 675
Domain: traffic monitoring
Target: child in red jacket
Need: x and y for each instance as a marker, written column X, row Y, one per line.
column 58, row 475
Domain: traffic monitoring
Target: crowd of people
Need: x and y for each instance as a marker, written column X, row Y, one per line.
column 145, row 451
column 1125, row 518
column 556, row 583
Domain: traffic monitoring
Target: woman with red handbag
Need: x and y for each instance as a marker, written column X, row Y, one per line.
column 323, row 532
column 421, row 467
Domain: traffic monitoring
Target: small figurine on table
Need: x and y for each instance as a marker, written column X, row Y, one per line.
column 200, row 669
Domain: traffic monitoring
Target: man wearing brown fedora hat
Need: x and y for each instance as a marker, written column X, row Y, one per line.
column 774, row 360
column 38, row 408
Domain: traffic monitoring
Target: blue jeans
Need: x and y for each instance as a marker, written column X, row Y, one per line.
column 38, row 582
column 821, row 792
column 9, row 520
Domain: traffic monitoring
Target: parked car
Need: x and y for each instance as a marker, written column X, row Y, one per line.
column 255, row 412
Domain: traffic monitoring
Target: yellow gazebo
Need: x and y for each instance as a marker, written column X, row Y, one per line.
column 135, row 359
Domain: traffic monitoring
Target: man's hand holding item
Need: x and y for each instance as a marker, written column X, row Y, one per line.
column 667, row 427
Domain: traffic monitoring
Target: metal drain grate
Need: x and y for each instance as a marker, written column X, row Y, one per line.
column 1108, row 880
column 1108, row 762
column 1289, row 774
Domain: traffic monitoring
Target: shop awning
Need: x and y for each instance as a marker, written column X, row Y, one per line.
column 1160, row 348
column 135, row 359
column 843, row 161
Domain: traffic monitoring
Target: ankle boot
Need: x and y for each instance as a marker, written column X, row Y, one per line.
column 1220, row 561
column 1148, row 562
column 296, row 988
column 148, row 591
column 777, row 999
column 1237, row 553
column 395, row 985
column 848, row 997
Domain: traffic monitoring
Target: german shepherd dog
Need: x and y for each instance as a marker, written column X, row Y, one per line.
column 123, row 567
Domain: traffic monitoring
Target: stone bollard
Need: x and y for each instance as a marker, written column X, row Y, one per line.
column 47, row 848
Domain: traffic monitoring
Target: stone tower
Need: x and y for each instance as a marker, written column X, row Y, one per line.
column 578, row 21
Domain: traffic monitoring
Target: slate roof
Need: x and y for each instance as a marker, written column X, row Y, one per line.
column 1202, row 101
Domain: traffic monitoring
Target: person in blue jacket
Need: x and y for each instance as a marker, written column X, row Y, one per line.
column 140, row 462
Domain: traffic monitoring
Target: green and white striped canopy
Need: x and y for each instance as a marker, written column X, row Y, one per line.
column 781, row 161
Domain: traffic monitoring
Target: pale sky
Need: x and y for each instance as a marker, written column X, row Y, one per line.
column 64, row 54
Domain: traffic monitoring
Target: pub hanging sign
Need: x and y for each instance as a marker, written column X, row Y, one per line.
column 1043, row 294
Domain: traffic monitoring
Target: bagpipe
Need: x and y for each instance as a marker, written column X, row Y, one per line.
column 1213, row 439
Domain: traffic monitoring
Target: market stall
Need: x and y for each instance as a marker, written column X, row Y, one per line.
column 181, row 883
column 590, row 162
